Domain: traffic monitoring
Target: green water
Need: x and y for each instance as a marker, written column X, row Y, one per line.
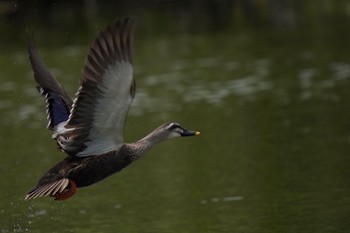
column 271, row 102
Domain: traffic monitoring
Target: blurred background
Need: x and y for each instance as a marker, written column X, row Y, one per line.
column 266, row 82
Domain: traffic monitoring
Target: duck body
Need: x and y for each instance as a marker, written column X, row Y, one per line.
column 85, row 171
column 90, row 128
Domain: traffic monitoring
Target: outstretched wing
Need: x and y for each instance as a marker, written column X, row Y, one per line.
column 107, row 89
column 58, row 102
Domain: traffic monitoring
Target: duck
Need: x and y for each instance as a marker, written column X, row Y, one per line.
column 89, row 129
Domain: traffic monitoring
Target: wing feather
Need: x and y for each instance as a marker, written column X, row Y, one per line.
column 107, row 89
column 58, row 102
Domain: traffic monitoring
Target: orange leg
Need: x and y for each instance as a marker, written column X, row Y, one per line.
column 68, row 192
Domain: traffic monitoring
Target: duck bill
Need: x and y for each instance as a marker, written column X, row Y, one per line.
column 187, row 133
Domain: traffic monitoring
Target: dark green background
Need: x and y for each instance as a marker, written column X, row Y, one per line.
column 266, row 82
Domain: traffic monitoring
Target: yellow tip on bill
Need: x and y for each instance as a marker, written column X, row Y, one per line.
column 197, row 133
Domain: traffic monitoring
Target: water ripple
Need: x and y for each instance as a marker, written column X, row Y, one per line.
column 221, row 199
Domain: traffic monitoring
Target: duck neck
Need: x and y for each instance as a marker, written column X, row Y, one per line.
column 151, row 139
column 140, row 147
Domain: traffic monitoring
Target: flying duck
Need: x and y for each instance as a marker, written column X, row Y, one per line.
column 90, row 128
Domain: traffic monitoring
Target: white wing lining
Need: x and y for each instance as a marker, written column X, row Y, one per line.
column 106, row 133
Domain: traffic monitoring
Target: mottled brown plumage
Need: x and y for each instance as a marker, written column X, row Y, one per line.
column 90, row 129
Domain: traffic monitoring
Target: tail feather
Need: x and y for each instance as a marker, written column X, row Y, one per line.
column 50, row 189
